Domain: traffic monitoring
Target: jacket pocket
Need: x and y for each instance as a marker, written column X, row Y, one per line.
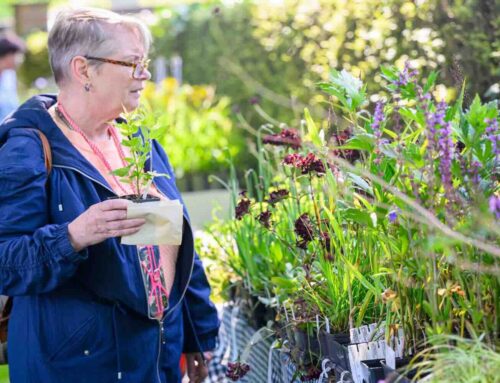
column 78, row 343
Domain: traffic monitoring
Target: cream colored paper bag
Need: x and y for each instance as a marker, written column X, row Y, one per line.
column 164, row 222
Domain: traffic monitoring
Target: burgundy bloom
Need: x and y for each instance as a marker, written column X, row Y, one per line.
column 278, row 195
column 265, row 218
column 304, row 230
column 308, row 164
column 242, row 208
column 255, row 100
column 311, row 163
column 312, row 373
column 287, row 137
column 293, row 159
column 237, row 370
column 325, row 237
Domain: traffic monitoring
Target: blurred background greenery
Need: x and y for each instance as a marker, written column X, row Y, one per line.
column 257, row 58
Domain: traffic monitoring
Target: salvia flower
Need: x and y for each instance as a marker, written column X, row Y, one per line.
column 265, row 218
column 494, row 203
column 393, row 216
column 491, row 133
column 287, row 137
column 406, row 76
column 433, row 121
column 378, row 117
column 277, row 196
column 445, row 153
column 237, row 370
column 242, row 208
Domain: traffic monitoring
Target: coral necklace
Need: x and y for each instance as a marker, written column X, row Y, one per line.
column 61, row 112
column 152, row 270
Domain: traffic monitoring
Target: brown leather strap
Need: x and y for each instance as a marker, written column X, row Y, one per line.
column 7, row 308
column 46, row 151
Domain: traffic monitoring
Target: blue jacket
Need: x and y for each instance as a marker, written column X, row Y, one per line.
column 82, row 317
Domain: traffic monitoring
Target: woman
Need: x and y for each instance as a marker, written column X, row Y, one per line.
column 81, row 304
column 11, row 55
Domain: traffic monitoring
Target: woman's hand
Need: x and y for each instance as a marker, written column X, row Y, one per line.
column 197, row 370
column 102, row 221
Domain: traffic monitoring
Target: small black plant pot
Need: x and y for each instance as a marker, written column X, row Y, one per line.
column 136, row 198
column 337, row 350
column 305, row 348
column 373, row 370
column 397, row 375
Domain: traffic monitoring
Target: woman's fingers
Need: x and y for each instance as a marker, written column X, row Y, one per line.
column 124, row 224
column 101, row 221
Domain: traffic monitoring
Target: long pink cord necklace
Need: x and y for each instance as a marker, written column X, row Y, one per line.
column 152, row 270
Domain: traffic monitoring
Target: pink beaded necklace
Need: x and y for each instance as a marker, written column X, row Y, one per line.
column 111, row 131
column 151, row 269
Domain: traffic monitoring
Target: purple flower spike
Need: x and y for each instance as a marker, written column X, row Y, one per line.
column 406, row 76
column 494, row 203
column 491, row 133
column 393, row 216
column 378, row 117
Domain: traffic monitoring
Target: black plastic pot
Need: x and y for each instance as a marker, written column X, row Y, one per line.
column 336, row 347
column 392, row 375
column 137, row 198
column 373, row 369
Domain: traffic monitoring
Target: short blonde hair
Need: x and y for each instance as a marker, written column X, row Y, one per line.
column 86, row 31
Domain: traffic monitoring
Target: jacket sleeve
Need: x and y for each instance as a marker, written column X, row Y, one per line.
column 201, row 321
column 35, row 257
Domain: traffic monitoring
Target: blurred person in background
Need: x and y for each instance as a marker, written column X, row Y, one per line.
column 12, row 50
column 87, row 308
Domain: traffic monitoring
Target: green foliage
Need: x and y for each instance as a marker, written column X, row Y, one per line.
column 138, row 131
column 193, row 126
column 399, row 224
column 280, row 50
column 36, row 61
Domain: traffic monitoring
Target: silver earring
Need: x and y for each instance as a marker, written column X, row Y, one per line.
column 87, row 87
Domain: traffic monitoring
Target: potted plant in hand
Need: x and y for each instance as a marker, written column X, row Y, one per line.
column 164, row 218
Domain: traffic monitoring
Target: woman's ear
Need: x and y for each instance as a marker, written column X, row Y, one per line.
column 80, row 70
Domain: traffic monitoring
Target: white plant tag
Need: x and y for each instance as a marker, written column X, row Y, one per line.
column 164, row 223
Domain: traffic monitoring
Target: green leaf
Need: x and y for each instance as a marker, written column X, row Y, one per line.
column 363, row 141
column 359, row 216
column 121, row 172
column 430, row 81
column 313, row 133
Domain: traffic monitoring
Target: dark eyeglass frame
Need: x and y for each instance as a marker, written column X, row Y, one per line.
column 142, row 65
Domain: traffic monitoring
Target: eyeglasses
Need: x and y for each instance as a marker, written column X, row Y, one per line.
column 138, row 68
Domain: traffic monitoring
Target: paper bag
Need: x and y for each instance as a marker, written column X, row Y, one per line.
column 164, row 223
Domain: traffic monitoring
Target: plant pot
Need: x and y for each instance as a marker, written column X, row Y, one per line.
column 337, row 350
column 392, row 375
column 373, row 370
column 164, row 221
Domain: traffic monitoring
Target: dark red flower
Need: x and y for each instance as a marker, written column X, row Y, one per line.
column 325, row 239
column 312, row 373
column 311, row 163
column 287, row 137
column 293, row 159
column 304, row 229
column 237, row 370
column 242, row 208
column 278, row 195
column 265, row 218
